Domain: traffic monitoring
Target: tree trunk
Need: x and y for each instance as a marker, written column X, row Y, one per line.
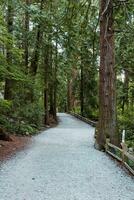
column 36, row 53
column 69, row 94
column 46, row 93
column 46, row 118
column 107, row 82
column 55, row 81
column 26, row 45
column 51, row 95
column 82, row 88
column 8, row 82
column 51, row 81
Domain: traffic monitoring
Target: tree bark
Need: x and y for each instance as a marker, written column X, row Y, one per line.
column 107, row 82
column 55, row 81
column 69, row 94
column 82, row 87
column 26, row 45
column 8, row 82
column 36, row 52
column 51, row 81
column 46, row 92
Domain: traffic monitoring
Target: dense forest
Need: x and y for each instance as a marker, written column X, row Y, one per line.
column 67, row 56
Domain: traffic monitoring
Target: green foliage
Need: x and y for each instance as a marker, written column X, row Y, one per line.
column 16, row 127
column 5, row 106
column 31, row 113
column 24, row 121
column 74, row 27
column 126, row 122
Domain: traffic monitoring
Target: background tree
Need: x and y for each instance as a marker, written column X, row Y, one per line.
column 49, row 51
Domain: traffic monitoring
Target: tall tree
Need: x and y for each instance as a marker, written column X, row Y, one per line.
column 8, row 82
column 55, row 77
column 46, row 89
column 107, row 83
column 36, row 51
column 26, row 43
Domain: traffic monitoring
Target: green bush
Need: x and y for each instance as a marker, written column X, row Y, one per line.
column 5, row 106
column 126, row 122
column 23, row 120
column 30, row 113
column 25, row 129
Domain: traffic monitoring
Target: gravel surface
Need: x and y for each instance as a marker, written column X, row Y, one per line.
column 62, row 164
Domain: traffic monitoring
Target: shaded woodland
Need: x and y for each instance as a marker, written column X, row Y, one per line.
column 67, row 56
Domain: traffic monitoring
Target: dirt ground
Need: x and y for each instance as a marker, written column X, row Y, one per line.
column 8, row 148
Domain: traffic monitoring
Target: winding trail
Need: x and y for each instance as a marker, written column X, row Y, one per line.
column 62, row 164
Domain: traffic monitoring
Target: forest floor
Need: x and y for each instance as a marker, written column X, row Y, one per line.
column 9, row 148
column 18, row 143
column 61, row 163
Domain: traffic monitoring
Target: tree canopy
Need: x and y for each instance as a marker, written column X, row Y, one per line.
column 50, row 55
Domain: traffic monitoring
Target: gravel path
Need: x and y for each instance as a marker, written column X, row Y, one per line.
column 62, row 164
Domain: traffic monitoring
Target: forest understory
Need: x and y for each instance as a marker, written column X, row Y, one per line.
column 9, row 148
column 67, row 56
column 11, row 144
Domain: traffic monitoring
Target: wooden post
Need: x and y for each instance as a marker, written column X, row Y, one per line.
column 123, row 136
column 106, row 146
column 124, row 146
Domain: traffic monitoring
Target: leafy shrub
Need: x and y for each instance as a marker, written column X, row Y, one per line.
column 30, row 113
column 126, row 122
column 23, row 120
column 25, row 129
column 5, row 106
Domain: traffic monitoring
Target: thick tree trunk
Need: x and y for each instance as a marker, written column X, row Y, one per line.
column 55, row 81
column 69, row 94
column 107, row 83
column 51, row 95
column 51, row 81
column 46, row 93
column 82, row 88
column 46, row 106
column 55, row 101
column 8, row 82
column 36, row 52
